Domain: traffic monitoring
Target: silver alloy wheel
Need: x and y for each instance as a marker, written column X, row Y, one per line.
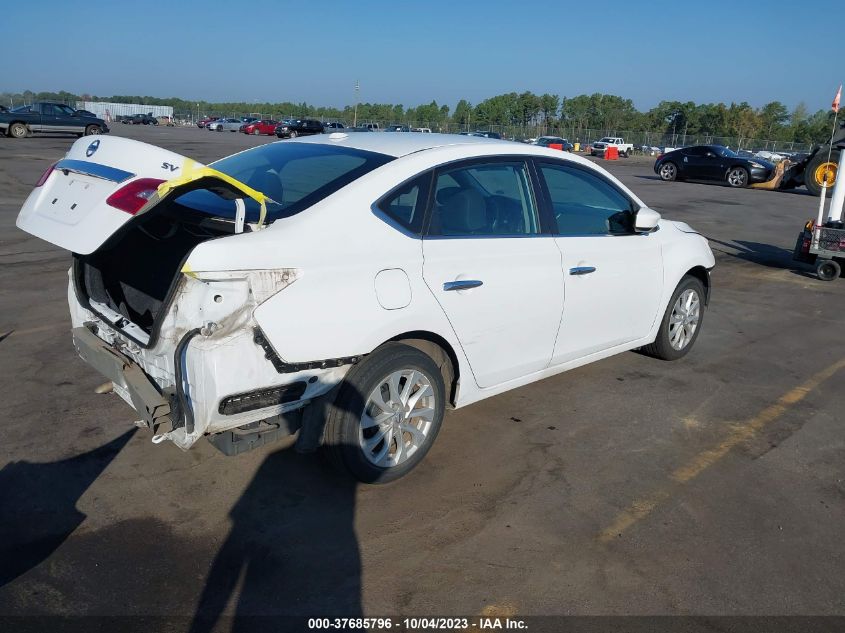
column 683, row 322
column 256, row 131
column 667, row 171
column 92, row 130
column 397, row 418
column 737, row 177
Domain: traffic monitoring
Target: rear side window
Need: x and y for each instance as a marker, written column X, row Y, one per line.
column 484, row 199
column 294, row 175
column 584, row 203
column 406, row 205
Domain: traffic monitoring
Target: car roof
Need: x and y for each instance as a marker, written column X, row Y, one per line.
column 396, row 144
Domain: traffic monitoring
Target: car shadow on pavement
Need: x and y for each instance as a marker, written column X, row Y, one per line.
column 758, row 253
column 38, row 505
column 291, row 551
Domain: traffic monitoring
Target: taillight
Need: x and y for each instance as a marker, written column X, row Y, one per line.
column 134, row 195
column 46, row 175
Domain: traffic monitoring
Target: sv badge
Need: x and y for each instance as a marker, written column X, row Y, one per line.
column 169, row 166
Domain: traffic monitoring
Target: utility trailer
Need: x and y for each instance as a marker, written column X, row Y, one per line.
column 822, row 242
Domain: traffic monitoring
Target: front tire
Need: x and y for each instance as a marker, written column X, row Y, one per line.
column 681, row 323
column 256, row 132
column 18, row 130
column 92, row 130
column 668, row 171
column 293, row 134
column 738, row 177
column 821, row 169
column 386, row 415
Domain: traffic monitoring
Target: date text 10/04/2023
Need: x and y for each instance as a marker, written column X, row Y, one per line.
column 418, row 624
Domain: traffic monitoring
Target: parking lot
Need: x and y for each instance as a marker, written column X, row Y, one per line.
column 714, row 485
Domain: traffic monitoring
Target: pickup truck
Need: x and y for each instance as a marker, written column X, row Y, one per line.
column 49, row 117
column 625, row 149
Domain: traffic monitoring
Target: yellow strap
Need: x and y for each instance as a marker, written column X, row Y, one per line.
column 191, row 171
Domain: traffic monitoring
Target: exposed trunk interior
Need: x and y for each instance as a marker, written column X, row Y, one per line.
column 133, row 272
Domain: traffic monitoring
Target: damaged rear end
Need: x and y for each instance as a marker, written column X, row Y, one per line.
column 180, row 345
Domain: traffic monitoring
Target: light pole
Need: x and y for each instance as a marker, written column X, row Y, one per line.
column 198, row 113
column 355, row 116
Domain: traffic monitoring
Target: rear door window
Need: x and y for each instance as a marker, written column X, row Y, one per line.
column 484, row 199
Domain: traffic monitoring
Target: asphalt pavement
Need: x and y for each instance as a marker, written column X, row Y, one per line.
column 712, row 485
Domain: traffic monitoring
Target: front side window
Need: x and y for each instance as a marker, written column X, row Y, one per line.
column 485, row 199
column 584, row 203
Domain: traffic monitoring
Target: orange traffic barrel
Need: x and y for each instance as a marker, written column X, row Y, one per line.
column 611, row 153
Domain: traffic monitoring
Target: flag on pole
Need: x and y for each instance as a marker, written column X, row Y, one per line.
column 835, row 104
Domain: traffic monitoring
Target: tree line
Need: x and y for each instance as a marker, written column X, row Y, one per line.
column 773, row 121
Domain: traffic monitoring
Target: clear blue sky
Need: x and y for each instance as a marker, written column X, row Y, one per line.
column 412, row 52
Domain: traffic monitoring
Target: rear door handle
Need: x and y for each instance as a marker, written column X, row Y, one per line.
column 582, row 270
column 462, row 284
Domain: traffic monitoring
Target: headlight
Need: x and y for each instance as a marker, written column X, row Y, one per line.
column 757, row 165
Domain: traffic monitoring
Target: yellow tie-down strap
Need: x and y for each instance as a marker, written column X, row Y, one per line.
column 192, row 170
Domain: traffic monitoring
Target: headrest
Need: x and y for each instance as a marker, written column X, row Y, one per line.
column 465, row 212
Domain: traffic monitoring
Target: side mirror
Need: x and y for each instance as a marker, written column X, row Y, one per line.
column 646, row 220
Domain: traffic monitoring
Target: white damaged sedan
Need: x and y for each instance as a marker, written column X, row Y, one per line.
column 352, row 287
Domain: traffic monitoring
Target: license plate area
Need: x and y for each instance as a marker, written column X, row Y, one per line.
column 69, row 198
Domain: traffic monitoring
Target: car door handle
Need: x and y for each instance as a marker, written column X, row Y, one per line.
column 582, row 270
column 462, row 284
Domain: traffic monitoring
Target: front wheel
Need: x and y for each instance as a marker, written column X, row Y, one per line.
column 668, row 171
column 738, row 177
column 820, row 170
column 386, row 415
column 681, row 323
column 293, row 134
column 92, row 129
column 256, row 131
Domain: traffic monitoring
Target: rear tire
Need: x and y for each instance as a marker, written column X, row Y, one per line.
column 681, row 322
column 18, row 130
column 828, row 269
column 668, row 171
column 375, row 411
column 816, row 168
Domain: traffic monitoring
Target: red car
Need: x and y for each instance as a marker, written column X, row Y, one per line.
column 266, row 126
column 206, row 120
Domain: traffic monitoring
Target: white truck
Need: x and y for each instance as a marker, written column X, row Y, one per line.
column 598, row 148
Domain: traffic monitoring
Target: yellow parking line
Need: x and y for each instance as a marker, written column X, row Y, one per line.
column 641, row 508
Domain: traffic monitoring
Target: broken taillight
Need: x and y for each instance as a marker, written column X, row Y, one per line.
column 132, row 197
column 46, row 175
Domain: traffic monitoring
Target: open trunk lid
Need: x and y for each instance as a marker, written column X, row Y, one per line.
column 70, row 208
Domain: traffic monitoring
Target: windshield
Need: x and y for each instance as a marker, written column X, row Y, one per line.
column 294, row 175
